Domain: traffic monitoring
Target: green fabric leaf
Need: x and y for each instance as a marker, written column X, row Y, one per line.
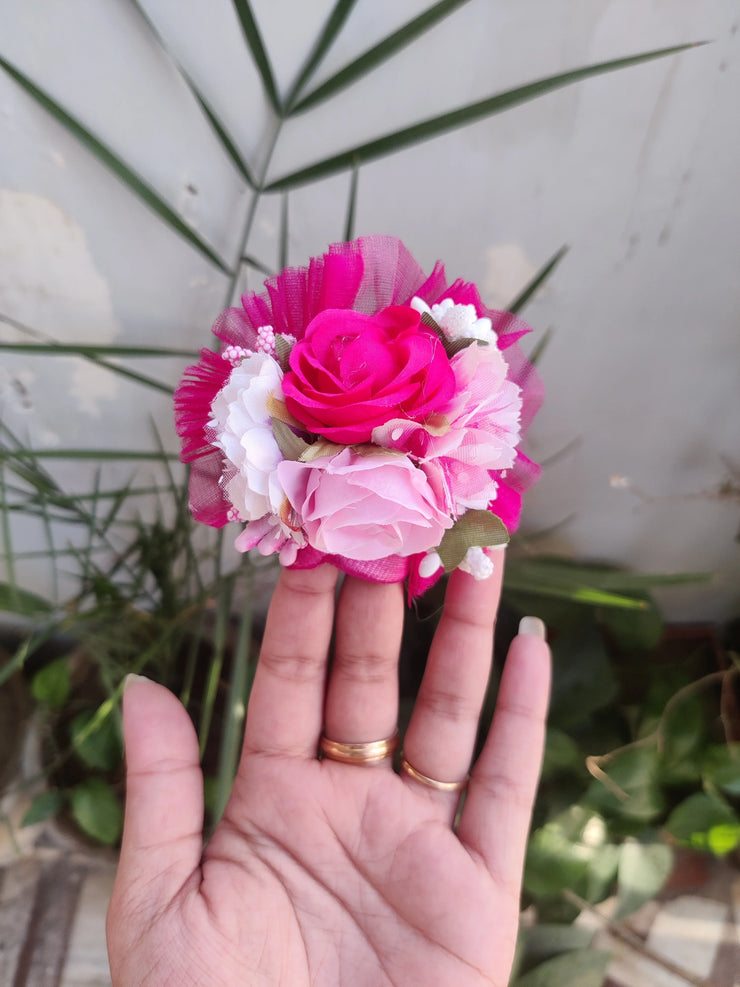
column 44, row 806
column 99, row 747
column 579, row 968
column 282, row 352
column 434, row 126
column 473, row 528
column 144, row 192
column 292, row 446
column 643, row 870
column 51, row 684
column 451, row 346
column 97, row 811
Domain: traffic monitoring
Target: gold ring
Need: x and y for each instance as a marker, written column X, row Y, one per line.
column 439, row 786
column 371, row 752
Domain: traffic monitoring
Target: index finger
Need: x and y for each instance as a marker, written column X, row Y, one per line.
column 286, row 703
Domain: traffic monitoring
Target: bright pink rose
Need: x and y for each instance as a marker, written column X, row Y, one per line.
column 364, row 507
column 352, row 372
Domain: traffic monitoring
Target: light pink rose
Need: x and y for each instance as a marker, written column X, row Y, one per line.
column 478, row 436
column 352, row 372
column 364, row 507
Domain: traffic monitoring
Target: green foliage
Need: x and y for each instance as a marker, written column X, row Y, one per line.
column 44, row 806
column 97, row 810
column 644, row 868
column 705, row 822
column 577, row 968
column 96, row 742
column 51, row 684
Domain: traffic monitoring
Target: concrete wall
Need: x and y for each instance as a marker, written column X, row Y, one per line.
column 636, row 171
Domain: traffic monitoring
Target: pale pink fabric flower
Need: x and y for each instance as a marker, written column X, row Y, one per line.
column 478, row 435
column 364, row 507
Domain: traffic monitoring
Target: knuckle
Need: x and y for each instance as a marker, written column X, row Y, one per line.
column 293, row 666
column 363, row 667
column 449, row 705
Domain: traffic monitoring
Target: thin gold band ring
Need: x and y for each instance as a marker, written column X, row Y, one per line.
column 439, row 786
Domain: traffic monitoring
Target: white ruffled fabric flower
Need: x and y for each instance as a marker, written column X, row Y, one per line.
column 242, row 430
column 477, row 563
column 457, row 321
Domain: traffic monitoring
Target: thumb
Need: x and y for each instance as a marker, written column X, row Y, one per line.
column 163, row 824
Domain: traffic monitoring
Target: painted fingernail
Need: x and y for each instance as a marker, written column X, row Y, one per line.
column 133, row 677
column 534, row 626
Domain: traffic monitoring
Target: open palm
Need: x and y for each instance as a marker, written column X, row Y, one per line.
column 327, row 873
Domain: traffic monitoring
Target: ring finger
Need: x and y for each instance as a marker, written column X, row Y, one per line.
column 441, row 736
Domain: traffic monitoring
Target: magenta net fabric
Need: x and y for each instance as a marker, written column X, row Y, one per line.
column 366, row 275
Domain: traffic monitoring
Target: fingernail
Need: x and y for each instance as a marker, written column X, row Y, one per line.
column 534, row 626
column 133, row 677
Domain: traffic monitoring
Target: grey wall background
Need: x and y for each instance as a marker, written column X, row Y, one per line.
column 637, row 171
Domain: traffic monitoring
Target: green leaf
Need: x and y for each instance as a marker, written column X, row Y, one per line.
column 561, row 752
column 254, row 40
column 721, row 768
column 562, row 853
column 242, row 675
column 349, row 223
column 682, row 734
column 548, row 939
column 634, row 630
column 579, row 968
column 631, row 787
column 583, row 680
column 378, row 54
column 473, row 528
column 705, row 822
column 135, row 183
column 44, row 806
column 340, row 13
column 22, row 601
column 51, row 684
column 282, row 351
column 107, row 454
column 99, row 747
column 567, row 572
column 434, row 126
column 643, row 870
column 537, row 281
column 291, row 445
column 283, row 251
column 228, row 144
column 97, row 811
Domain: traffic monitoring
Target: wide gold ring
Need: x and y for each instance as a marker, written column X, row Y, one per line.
column 439, row 786
column 371, row 752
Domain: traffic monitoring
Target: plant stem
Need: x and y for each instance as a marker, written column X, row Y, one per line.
column 277, row 124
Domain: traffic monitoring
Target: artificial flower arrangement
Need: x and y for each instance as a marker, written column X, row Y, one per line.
column 364, row 414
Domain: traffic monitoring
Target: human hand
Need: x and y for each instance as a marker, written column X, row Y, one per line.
column 326, row 873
